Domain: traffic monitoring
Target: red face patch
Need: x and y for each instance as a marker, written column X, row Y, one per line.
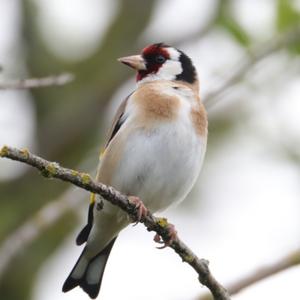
column 154, row 55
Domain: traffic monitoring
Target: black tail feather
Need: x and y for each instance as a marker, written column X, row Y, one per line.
column 84, row 233
column 91, row 289
column 70, row 283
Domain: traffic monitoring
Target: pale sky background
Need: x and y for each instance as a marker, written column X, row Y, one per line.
column 249, row 210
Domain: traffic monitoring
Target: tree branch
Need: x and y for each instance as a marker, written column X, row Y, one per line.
column 287, row 39
column 159, row 225
column 22, row 84
column 291, row 260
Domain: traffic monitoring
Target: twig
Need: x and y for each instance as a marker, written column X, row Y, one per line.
column 291, row 260
column 287, row 39
column 159, row 225
column 30, row 83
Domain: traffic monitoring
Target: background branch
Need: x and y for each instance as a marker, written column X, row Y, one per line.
column 72, row 116
column 291, row 260
column 159, row 225
column 287, row 39
column 290, row 37
column 22, row 84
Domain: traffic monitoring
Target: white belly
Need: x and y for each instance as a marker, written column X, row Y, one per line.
column 160, row 165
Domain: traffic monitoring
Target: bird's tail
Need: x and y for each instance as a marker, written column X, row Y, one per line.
column 88, row 273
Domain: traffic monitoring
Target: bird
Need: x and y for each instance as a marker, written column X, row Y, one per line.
column 153, row 154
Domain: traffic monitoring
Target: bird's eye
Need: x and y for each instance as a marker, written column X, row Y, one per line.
column 160, row 59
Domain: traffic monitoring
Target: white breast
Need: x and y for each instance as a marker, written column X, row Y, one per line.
column 161, row 164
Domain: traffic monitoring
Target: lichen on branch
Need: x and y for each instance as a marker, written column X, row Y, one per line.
column 159, row 225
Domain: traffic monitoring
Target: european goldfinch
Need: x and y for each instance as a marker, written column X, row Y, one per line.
column 154, row 152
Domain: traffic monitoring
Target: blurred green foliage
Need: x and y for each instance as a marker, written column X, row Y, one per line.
column 68, row 122
column 69, row 118
column 227, row 21
column 287, row 16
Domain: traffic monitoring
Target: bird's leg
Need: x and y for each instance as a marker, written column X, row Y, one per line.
column 172, row 236
column 142, row 211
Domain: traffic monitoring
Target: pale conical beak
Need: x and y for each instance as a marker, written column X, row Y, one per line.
column 134, row 61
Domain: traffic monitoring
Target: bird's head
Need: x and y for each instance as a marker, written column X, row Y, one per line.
column 162, row 62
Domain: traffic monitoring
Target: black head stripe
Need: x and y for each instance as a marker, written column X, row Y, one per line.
column 188, row 73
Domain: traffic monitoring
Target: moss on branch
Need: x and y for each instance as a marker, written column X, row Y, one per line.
column 159, row 225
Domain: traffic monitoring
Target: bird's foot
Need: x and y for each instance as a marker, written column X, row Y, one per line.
column 172, row 236
column 142, row 211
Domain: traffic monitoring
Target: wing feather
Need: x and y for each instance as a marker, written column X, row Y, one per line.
column 118, row 121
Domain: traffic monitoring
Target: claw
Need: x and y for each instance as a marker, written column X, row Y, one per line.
column 172, row 236
column 142, row 211
column 157, row 239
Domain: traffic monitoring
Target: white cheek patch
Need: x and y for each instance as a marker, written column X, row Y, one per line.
column 174, row 54
column 169, row 70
